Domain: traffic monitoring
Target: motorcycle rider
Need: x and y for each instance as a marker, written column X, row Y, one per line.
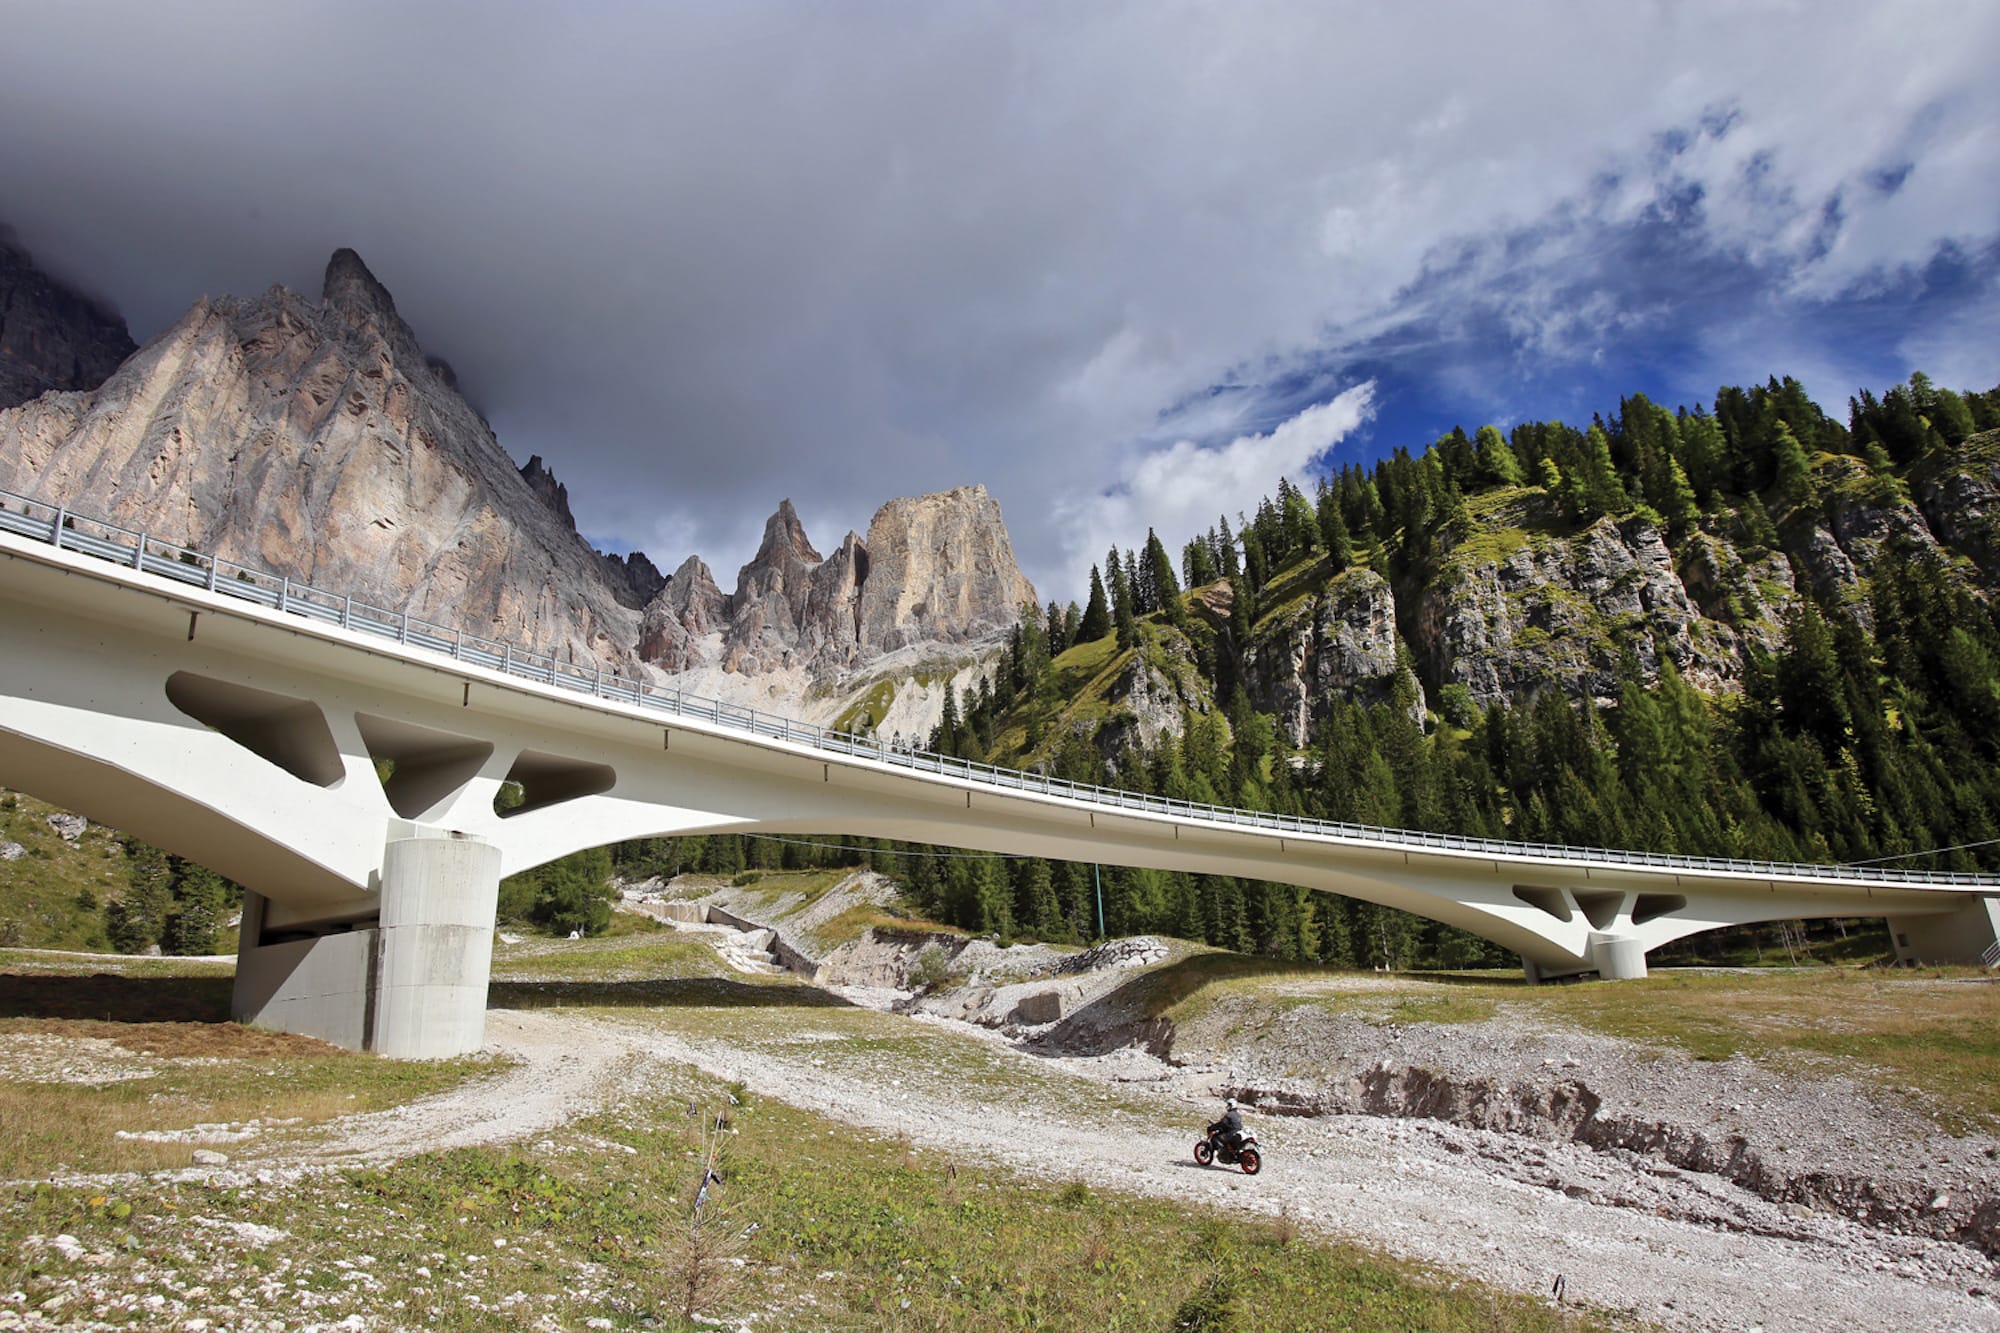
column 1230, row 1127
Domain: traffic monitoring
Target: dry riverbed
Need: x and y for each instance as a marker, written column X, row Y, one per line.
column 1483, row 1139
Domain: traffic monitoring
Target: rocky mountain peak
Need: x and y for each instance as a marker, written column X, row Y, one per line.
column 941, row 568
column 51, row 335
column 933, row 569
column 351, row 285
column 543, row 483
column 785, row 538
column 314, row 439
column 352, row 294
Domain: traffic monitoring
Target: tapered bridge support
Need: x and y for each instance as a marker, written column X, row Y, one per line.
column 409, row 982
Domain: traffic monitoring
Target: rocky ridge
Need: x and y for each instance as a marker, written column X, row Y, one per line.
column 1523, row 603
column 315, row 439
column 319, row 440
column 933, row 571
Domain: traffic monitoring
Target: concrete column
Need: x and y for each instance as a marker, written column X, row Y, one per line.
column 439, row 893
column 1617, row 957
column 1962, row 936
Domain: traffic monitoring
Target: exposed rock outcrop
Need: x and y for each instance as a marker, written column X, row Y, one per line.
column 1509, row 615
column 683, row 624
column 1338, row 644
column 315, row 439
column 941, row 569
column 1961, row 501
column 51, row 336
column 933, row 570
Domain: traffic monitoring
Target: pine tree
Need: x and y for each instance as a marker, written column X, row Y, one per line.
column 136, row 922
column 1497, row 464
column 199, row 900
column 1096, row 622
column 1333, row 531
column 1166, row 589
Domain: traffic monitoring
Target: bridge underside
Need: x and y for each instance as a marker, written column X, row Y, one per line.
column 255, row 744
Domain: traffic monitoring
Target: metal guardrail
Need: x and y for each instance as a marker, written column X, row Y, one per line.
column 70, row 531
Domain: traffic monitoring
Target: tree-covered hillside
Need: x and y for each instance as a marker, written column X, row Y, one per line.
column 1837, row 610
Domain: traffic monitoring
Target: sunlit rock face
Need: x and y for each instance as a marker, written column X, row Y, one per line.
column 934, row 570
column 315, row 439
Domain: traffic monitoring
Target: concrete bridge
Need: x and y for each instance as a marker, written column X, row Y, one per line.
column 237, row 719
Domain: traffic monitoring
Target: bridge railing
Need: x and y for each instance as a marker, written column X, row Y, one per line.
column 40, row 521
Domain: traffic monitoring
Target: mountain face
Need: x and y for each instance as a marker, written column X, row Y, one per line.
column 935, row 571
column 315, row 439
column 51, row 337
column 318, row 440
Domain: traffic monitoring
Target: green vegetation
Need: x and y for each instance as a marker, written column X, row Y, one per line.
column 168, row 1060
column 103, row 890
column 810, row 1223
column 52, row 896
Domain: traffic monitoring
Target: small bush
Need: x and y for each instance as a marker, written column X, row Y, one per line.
column 932, row 968
column 1212, row 1308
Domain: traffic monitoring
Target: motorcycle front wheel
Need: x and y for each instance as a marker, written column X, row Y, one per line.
column 1252, row 1163
column 1204, row 1152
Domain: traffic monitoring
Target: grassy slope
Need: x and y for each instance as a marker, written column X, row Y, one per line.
column 40, row 893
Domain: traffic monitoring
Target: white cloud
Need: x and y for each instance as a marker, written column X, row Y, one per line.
column 1182, row 489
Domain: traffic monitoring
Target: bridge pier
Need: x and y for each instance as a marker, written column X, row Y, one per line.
column 410, row 982
column 1971, row 934
column 1612, row 957
column 1618, row 957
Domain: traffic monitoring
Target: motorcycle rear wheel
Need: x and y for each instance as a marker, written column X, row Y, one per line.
column 1251, row 1161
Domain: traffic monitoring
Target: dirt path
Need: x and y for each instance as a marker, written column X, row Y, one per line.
column 559, row 1072
column 1682, row 1250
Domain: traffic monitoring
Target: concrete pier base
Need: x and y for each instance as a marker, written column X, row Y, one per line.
column 1618, row 957
column 314, row 983
column 439, row 894
column 409, row 984
column 1968, row 935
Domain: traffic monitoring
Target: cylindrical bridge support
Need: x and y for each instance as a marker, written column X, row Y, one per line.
column 439, row 893
column 1617, row 957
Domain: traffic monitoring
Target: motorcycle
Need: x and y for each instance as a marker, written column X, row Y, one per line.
column 1217, row 1148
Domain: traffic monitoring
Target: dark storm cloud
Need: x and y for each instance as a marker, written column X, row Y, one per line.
column 707, row 256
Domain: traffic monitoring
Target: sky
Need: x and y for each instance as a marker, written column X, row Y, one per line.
column 1125, row 265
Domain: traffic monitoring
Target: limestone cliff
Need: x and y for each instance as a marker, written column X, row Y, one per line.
column 1339, row 642
column 941, row 569
column 315, row 439
column 935, row 571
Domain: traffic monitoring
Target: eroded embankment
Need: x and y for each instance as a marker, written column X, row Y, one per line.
column 1803, row 1143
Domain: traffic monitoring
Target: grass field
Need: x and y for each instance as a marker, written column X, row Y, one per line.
column 99, row 1069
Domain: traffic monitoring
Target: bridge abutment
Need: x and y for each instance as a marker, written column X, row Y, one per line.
column 1968, row 935
column 410, row 983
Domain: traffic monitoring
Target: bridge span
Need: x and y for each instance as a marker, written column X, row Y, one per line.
column 235, row 718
